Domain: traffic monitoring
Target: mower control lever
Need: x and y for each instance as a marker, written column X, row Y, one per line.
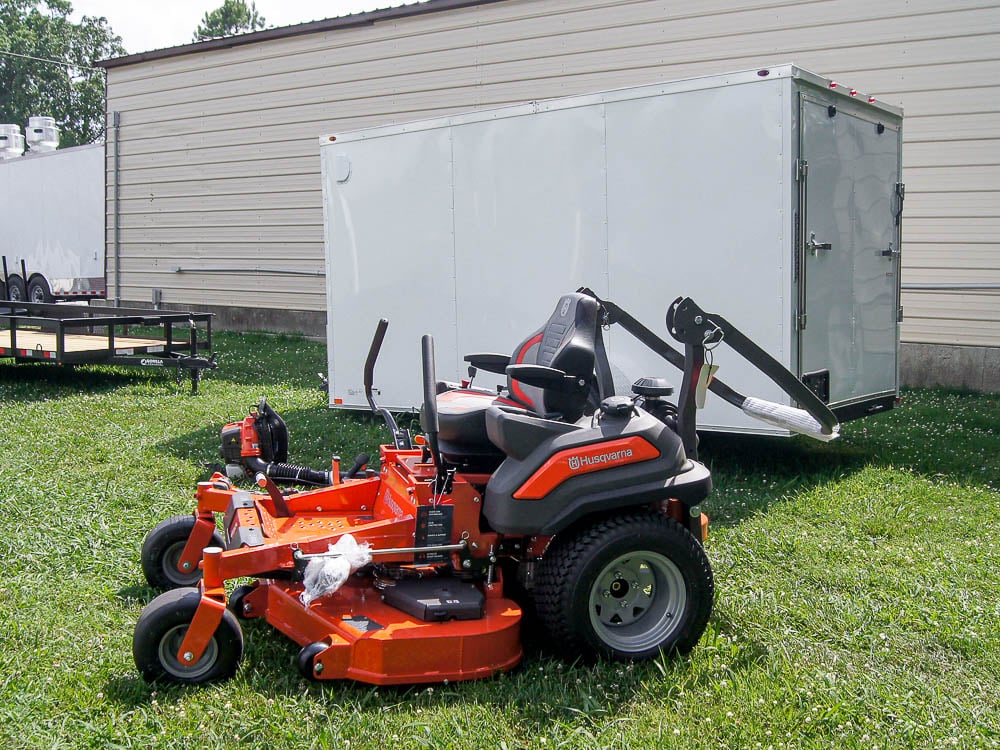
column 400, row 437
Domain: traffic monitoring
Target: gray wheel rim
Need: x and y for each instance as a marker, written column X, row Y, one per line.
column 171, row 641
column 14, row 293
column 171, row 557
column 637, row 601
column 37, row 295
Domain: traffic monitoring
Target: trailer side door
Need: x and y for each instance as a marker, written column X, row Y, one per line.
column 848, row 252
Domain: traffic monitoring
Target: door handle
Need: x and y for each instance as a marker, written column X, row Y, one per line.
column 814, row 247
column 890, row 252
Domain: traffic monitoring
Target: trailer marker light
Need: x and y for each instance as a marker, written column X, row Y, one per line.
column 763, row 72
column 833, row 84
column 338, row 401
column 871, row 99
column 854, row 92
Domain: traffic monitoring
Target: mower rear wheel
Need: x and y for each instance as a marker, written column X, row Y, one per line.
column 160, row 631
column 162, row 549
column 625, row 587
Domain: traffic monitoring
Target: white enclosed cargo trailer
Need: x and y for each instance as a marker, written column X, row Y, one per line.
column 772, row 197
column 52, row 225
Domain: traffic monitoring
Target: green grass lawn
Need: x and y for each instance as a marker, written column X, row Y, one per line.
column 858, row 585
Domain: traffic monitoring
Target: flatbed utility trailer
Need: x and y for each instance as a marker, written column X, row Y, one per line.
column 85, row 335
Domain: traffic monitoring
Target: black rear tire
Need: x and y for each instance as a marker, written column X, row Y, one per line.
column 160, row 631
column 624, row 588
column 161, row 551
column 38, row 290
column 16, row 291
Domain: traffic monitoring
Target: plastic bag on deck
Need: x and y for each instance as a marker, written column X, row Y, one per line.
column 325, row 575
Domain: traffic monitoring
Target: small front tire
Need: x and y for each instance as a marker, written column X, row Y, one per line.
column 625, row 587
column 304, row 661
column 162, row 549
column 160, row 631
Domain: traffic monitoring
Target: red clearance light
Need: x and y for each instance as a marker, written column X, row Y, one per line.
column 833, row 84
column 854, row 92
column 871, row 99
column 763, row 72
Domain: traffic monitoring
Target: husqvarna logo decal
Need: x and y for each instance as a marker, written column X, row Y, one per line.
column 574, row 462
column 564, row 309
column 579, row 462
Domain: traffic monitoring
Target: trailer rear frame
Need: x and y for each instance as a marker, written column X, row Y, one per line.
column 73, row 335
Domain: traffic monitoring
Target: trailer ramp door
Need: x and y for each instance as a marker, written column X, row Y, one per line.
column 848, row 253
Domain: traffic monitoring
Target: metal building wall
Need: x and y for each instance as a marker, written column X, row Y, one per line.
column 219, row 166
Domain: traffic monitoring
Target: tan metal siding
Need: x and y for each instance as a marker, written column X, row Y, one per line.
column 219, row 149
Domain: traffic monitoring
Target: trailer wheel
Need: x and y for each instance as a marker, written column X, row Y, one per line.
column 16, row 291
column 162, row 549
column 38, row 290
column 160, row 631
column 625, row 587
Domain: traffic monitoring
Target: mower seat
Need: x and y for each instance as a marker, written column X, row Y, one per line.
column 567, row 343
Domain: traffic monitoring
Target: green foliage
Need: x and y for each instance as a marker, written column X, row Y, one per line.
column 858, row 585
column 230, row 18
column 34, row 32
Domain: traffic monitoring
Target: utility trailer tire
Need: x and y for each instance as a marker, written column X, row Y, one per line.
column 160, row 631
column 625, row 587
column 16, row 291
column 162, row 549
column 38, row 290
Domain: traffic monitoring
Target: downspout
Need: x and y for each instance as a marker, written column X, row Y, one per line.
column 116, row 124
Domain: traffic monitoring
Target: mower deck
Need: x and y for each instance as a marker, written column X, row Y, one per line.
column 367, row 640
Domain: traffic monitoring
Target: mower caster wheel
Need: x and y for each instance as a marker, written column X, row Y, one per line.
column 160, row 631
column 237, row 601
column 625, row 587
column 162, row 549
column 304, row 661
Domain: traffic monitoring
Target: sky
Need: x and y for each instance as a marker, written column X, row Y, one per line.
column 146, row 25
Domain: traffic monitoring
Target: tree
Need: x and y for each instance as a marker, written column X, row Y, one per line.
column 47, row 67
column 232, row 17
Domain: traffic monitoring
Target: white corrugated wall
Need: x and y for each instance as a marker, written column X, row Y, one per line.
column 219, row 166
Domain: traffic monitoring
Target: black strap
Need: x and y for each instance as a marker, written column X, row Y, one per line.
column 605, row 381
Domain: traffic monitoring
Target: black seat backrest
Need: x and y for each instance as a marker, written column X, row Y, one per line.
column 566, row 342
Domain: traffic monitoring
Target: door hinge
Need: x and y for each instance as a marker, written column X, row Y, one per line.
column 802, row 169
column 900, row 195
column 899, row 314
column 800, row 322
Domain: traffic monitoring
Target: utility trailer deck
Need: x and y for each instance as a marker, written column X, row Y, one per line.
column 84, row 335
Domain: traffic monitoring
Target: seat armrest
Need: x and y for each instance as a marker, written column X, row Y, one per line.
column 546, row 377
column 495, row 363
